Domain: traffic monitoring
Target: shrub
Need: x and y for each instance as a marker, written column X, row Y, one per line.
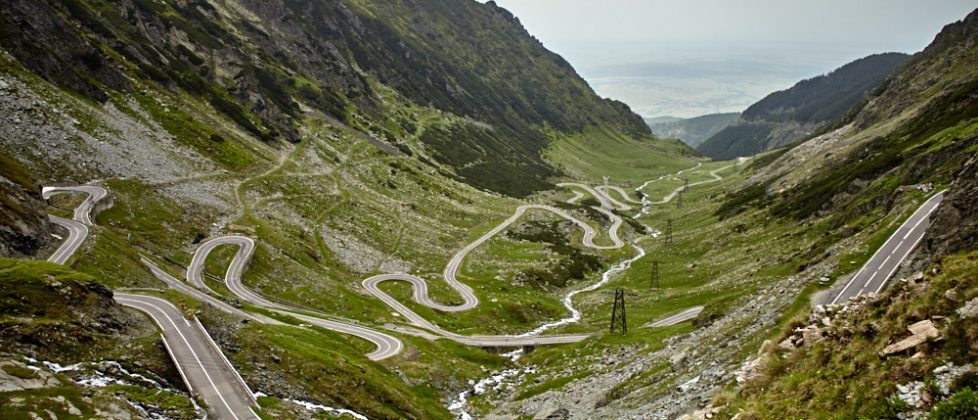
column 962, row 405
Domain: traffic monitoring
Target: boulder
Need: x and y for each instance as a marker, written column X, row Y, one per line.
column 922, row 331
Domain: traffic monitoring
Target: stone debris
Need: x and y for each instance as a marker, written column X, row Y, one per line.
column 11, row 383
column 706, row 413
column 686, row 386
column 969, row 310
column 914, row 394
column 677, row 359
column 922, row 331
column 952, row 295
column 944, row 376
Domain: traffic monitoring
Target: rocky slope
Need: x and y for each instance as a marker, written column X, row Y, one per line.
column 906, row 353
column 67, row 347
column 24, row 226
column 912, row 345
column 955, row 223
column 263, row 65
column 832, row 200
column 789, row 115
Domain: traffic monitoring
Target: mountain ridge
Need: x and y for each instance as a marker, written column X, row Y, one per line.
column 692, row 131
column 260, row 63
column 789, row 115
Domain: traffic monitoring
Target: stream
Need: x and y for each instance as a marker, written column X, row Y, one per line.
column 514, row 375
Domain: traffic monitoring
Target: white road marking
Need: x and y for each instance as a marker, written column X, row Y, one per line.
column 184, row 338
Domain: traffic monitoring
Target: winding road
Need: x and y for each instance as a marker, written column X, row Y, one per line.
column 420, row 287
column 714, row 173
column 872, row 277
column 209, row 374
column 202, row 365
column 97, row 198
column 387, row 345
column 78, row 228
column 77, row 232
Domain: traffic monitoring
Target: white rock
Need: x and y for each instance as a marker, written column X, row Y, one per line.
column 689, row 384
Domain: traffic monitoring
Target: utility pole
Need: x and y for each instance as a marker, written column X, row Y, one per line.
column 618, row 313
column 668, row 236
column 654, row 280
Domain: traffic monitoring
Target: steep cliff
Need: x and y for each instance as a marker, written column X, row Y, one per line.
column 265, row 65
column 24, row 226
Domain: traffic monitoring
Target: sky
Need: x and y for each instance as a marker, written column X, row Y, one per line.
column 691, row 57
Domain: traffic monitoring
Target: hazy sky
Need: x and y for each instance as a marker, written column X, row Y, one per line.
column 689, row 57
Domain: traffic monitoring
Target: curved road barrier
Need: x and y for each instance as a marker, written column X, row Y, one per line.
column 685, row 315
column 204, row 368
column 97, row 200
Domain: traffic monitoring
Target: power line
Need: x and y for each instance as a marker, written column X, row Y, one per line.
column 618, row 313
column 668, row 235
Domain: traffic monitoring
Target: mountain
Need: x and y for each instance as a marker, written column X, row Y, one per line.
column 346, row 138
column 789, row 115
column 265, row 64
column 917, row 132
column 314, row 148
column 660, row 120
column 692, row 131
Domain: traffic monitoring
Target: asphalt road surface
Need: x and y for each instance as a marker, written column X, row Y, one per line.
column 685, row 315
column 713, row 173
column 605, row 189
column 202, row 296
column 85, row 212
column 204, row 368
column 872, row 277
column 602, row 198
column 83, row 216
column 420, row 287
column 77, row 232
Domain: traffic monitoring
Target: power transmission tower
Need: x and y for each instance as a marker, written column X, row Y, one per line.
column 654, row 280
column 685, row 184
column 679, row 199
column 618, row 313
column 668, row 236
